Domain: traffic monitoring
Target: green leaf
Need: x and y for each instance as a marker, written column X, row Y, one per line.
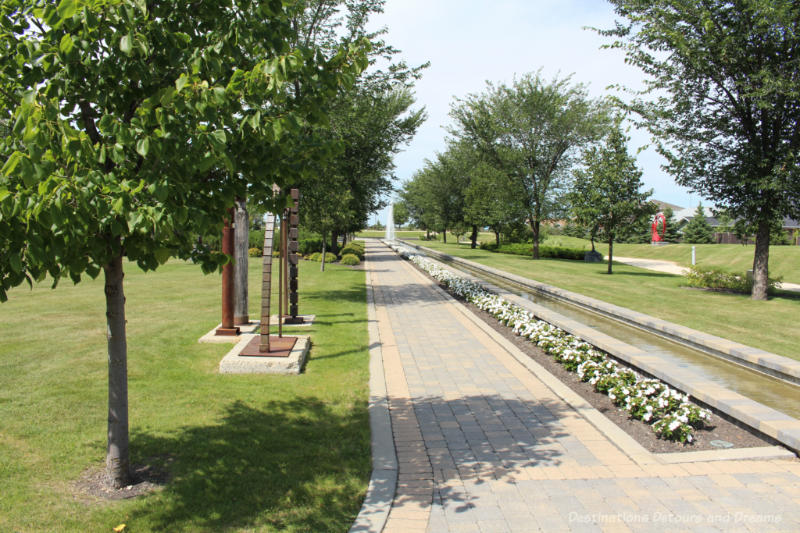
column 220, row 136
column 4, row 193
column 15, row 263
column 162, row 255
column 126, row 44
column 143, row 146
column 67, row 9
column 117, row 206
column 181, row 82
column 66, row 44
column 12, row 162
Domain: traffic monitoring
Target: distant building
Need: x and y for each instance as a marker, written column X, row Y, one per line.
column 684, row 214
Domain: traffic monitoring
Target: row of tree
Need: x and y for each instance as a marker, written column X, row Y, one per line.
column 130, row 127
column 721, row 100
column 528, row 153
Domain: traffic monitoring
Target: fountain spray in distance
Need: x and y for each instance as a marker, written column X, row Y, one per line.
column 390, row 224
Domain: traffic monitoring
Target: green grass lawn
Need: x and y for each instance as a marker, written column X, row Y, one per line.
column 784, row 261
column 266, row 453
column 769, row 325
column 380, row 234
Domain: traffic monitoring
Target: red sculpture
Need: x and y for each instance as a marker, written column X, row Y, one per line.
column 660, row 219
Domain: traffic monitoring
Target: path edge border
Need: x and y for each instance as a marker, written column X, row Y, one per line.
column 383, row 482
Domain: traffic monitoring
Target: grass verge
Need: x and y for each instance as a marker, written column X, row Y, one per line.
column 770, row 325
column 288, row 453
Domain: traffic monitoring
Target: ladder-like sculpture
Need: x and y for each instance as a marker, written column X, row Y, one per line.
column 266, row 282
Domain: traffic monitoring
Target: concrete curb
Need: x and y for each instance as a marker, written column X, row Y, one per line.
column 768, row 421
column 383, row 482
column 760, row 360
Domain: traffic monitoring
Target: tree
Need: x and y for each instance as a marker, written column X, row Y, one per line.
column 493, row 199
column 436, row 192
column 400, row 213
column 135, row 126
column 532, row 131
column 725, row 105
column 698, row 230
column 369, row 121
column 606, row 195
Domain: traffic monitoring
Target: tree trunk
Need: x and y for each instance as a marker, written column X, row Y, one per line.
column 344, row 239
column 335, row 242
column 241, row 245
column 474, row 236
column 322, row 265
column 117, row 456
column 761, row 262
column 610, row 253
column 427, row 234
column 444, row 236
column 535, row 226
column 497, row 237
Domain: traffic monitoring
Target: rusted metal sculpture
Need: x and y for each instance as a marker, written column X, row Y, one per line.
column 227, row 327
column 266, row 282
column 266, row 345
column 292, row 259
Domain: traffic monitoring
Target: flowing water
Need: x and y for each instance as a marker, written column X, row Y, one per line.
column 775, row 393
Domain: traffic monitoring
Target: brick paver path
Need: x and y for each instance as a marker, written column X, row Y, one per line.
column 484, row 445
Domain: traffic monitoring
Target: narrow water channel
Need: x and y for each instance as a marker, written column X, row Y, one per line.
column 764, row 389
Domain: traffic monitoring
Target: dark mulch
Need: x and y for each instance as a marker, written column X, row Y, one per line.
column 94, row 484
column 720, row 427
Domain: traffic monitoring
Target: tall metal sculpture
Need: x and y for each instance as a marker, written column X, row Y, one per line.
column 659, row 227
column 292, row 259
column 266, row 282
column 266, row 345
column 227, row 328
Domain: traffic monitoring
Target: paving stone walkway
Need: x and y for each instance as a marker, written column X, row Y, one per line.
column 484, row 445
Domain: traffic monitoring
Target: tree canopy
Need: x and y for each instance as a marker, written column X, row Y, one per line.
column 134, row 125
column 723, row 98
column 607, row 193
column 532, row 131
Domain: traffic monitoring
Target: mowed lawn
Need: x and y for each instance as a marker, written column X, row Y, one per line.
column 784, row 261
column 770, row 325
column 263, row 453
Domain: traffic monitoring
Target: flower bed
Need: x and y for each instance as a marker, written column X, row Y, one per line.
column 668, row 411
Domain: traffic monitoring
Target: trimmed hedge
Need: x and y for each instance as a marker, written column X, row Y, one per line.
column 526, row 249
column 317, row 256
column 350, row 260
column 354, row 249
column 255, row 252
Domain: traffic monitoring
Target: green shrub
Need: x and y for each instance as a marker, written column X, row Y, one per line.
column 256, row 238
column 255, row 252
column 309, row 246
column 350, row 260
column 354, row 249
column 526, row 249
column 717, row 279
column 424, row 237
column 317, row 256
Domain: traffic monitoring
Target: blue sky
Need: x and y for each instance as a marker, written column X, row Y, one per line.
column 471, row 41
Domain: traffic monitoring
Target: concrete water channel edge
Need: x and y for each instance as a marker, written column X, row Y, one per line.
column 772, row 423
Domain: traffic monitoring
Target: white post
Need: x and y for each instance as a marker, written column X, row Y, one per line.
column 694, row 256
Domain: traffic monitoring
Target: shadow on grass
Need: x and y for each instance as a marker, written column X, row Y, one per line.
column 295, row 464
